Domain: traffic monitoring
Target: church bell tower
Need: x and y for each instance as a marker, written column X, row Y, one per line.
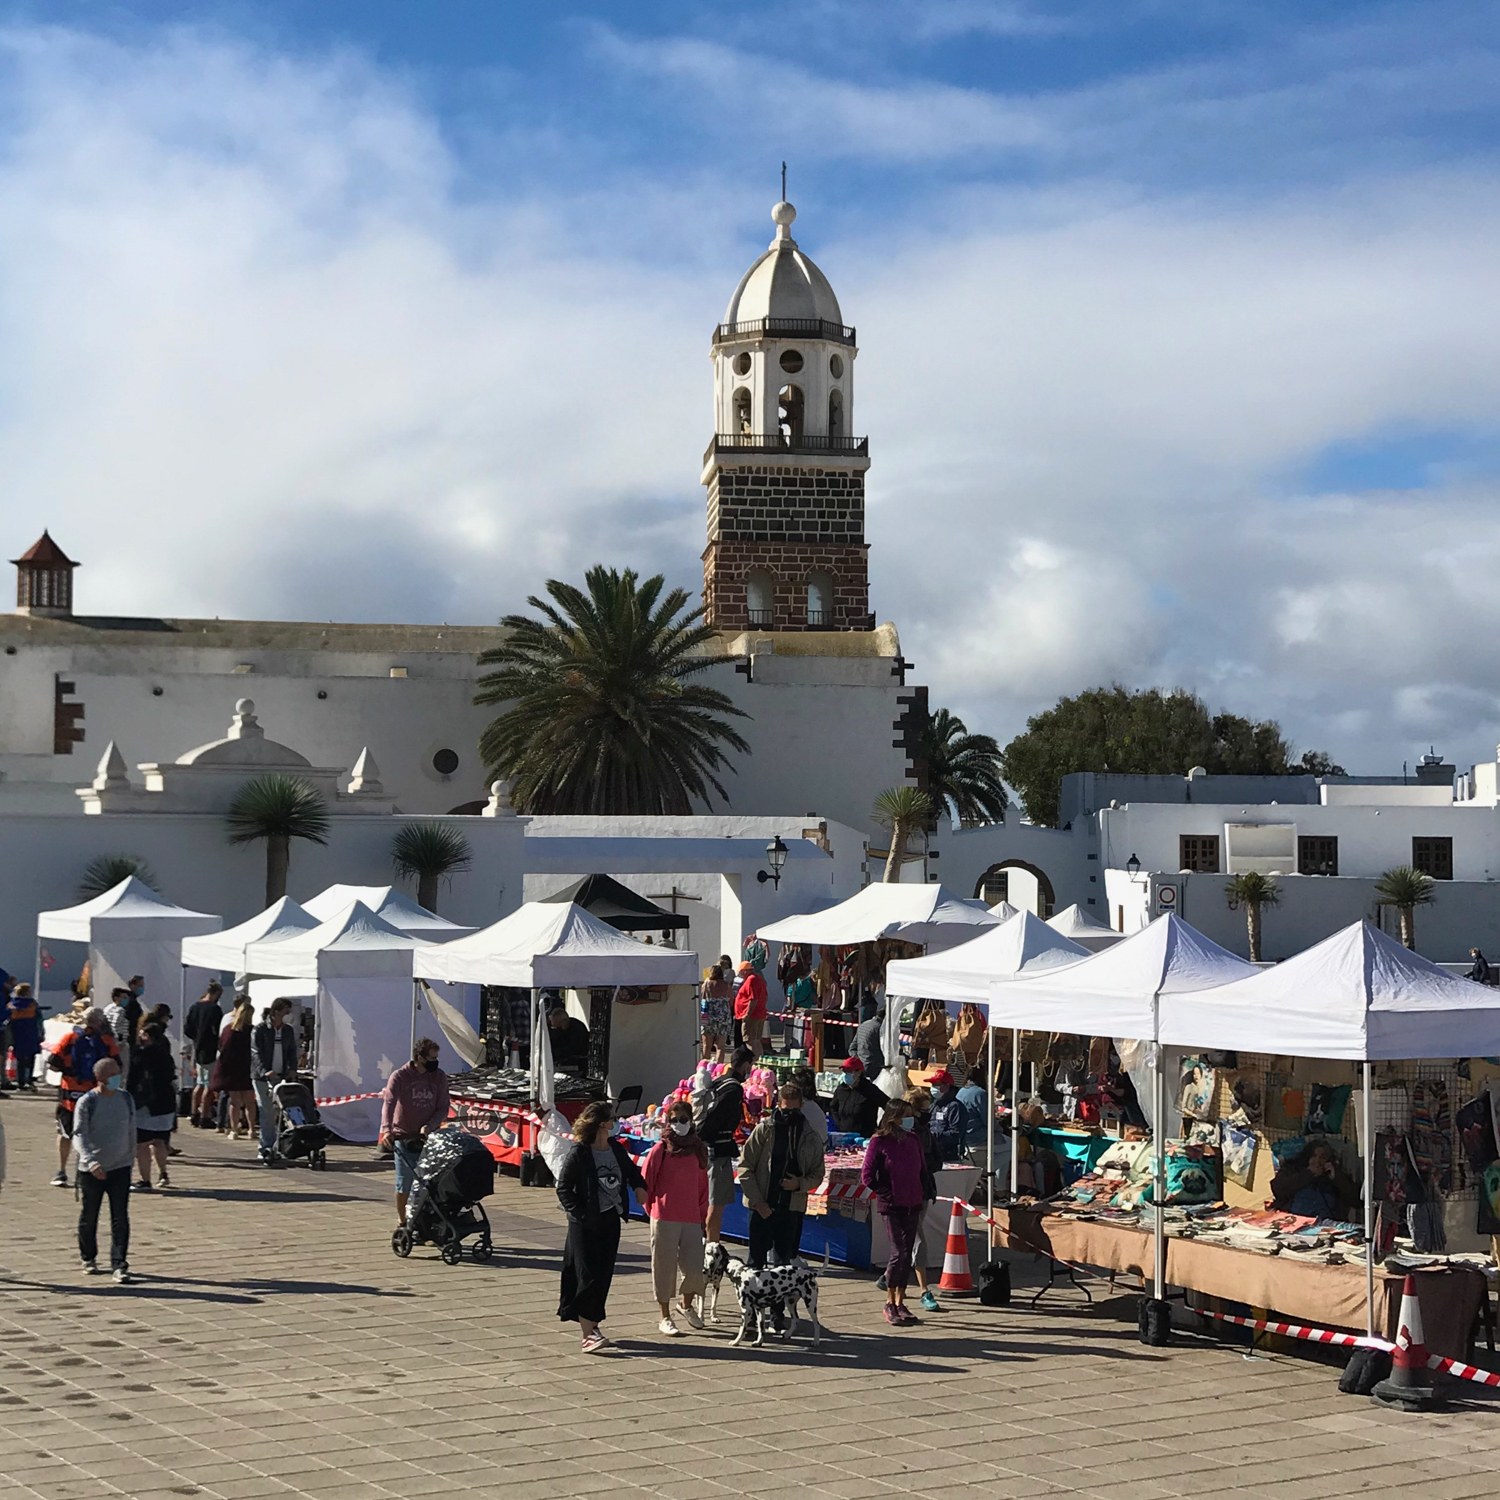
column 785, row 478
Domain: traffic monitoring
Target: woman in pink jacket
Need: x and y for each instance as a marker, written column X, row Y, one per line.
column 896, row 1172
column 676, row 1199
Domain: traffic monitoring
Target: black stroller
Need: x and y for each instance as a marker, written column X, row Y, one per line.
column 300, row 1131
column 454, row 1172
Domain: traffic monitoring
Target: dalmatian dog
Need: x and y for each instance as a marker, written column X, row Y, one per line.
column 763, row 1292
column 717, row 1263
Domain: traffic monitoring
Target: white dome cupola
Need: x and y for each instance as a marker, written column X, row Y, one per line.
column 783, row 283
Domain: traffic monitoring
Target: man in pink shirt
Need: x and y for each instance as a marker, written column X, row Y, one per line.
column 415, row 1102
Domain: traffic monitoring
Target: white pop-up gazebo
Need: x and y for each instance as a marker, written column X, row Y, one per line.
column 224, row 952
column 364, row 1008
column 1023, row 944
column 1089, row 932
column 556, row 945
column 391, row 904
column 1117, row 993
column 1358, row 995
column 926, row 915
column 129, row 930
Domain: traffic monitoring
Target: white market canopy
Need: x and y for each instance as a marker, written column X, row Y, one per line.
column 1358, row 994
column 1075, row 923
column 225, row 950
column 1114, row 993
column 1023, row 945
column 925, row 914
column 354, row 943
column 1003, row 911
column 549, row 944
column 389, row 903
column 127, row 913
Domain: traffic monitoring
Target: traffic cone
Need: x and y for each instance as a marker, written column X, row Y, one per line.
column 1410, row 1384
column 955, row 1277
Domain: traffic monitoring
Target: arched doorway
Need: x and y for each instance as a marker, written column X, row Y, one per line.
column 1023, row 884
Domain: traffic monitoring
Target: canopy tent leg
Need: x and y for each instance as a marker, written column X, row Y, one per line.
column 1156, row 1313
column 1015, row 1113
column 36, row 970
column 1369, row 1155
column 989, row 1143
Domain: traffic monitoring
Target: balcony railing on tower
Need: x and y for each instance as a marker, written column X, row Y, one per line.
column 784, row 328
column 781, row 442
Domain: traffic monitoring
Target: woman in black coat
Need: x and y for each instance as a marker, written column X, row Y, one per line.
column 592, row 1188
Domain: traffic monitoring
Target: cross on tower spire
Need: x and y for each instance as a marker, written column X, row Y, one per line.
column 783, row 182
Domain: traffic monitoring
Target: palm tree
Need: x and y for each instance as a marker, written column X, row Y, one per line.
column 902, row 809
column 1406, row 889
column 601, row 717
column 432, row 852
column 278, row 809
column 963, row 770
column 1252, row 890
column 106, row 871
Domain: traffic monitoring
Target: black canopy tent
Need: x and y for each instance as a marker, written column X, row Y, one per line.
column 624, row 909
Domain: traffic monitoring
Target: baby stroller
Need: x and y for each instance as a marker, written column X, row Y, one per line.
column 454, row 1171
column 300, row 1131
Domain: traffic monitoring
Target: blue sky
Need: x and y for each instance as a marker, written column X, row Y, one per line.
column 1177, row 319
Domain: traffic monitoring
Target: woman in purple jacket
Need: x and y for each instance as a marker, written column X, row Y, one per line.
column 896, row 1172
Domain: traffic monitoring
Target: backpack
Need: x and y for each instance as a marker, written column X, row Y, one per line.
column 722, row 1116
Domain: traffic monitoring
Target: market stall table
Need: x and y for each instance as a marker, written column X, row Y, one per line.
column 1323, row 1295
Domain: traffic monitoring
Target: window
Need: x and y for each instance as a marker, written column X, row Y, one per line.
column 820, row 600
column 835, row 414
column 836, row 366
column 996, row 888
column 760, row 597
column 1198, row 852
column 791, row 362
column 445, row 762
column 1317, row 856
column 742, row 409
column 742, row 364
column 1433, row 857
column 789, row 414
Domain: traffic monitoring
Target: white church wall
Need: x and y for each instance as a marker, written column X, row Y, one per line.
column 1065, row 857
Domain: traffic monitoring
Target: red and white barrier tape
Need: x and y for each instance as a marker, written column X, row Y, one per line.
column 346, row 1099
column 1327, row 1336
column 844, row 1192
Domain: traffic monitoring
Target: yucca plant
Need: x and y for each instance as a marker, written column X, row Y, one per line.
column 601, row 716
column 429, row 852
column 277, row 808
column 1252, row 890
column 106, row 871
column 902, row 809
column 1406, row 889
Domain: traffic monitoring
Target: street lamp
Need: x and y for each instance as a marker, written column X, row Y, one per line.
column 1133, row 866
column 776, row 853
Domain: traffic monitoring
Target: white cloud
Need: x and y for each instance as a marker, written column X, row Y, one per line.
column 262, row 356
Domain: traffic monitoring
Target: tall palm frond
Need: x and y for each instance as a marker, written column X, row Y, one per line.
column 277, row 808
column 963, row 770
column 106, row 871
column 430, row 852
column 600, row 714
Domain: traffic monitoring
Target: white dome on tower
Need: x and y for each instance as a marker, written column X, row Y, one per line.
column 783, row 283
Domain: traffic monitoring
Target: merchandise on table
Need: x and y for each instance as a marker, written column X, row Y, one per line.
column 513, row 1085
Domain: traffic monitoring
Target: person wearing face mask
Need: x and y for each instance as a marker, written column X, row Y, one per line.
column 273, row 1060
column 782, row 1162
column 676, row 1202
column 104, row 1136
column 857, row 1103
column 415, row 1102
column 896, row 1173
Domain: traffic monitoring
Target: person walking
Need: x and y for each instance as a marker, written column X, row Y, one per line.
column 715, row 1014
column 676, row 1201
column 123, row 1017
column 895, row 1172
column 414, row 1104
column 948, row 1118
column 1480, row 970
column 104, row 1135
column 75, row 1057
column 782, row 1162
column 592, row 1190
column 857, row 1102
column 25, row 1035
column 231, row 1073
column 201, row 1027
column 273, row 1060
column 919, row 1100
column 750, row 1008
column 723, row 1114
column 152, row 1086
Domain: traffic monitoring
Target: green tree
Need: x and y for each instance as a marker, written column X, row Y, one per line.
column 601, row 716
column 902, row 809
column 1252, row 890
column 429, row 853
column 1143, row 732
column 277, row 809
column 106, row 871
column 1406, row 889
column 963, row 770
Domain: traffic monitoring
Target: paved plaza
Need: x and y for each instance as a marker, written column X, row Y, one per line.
column 275, row 1347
